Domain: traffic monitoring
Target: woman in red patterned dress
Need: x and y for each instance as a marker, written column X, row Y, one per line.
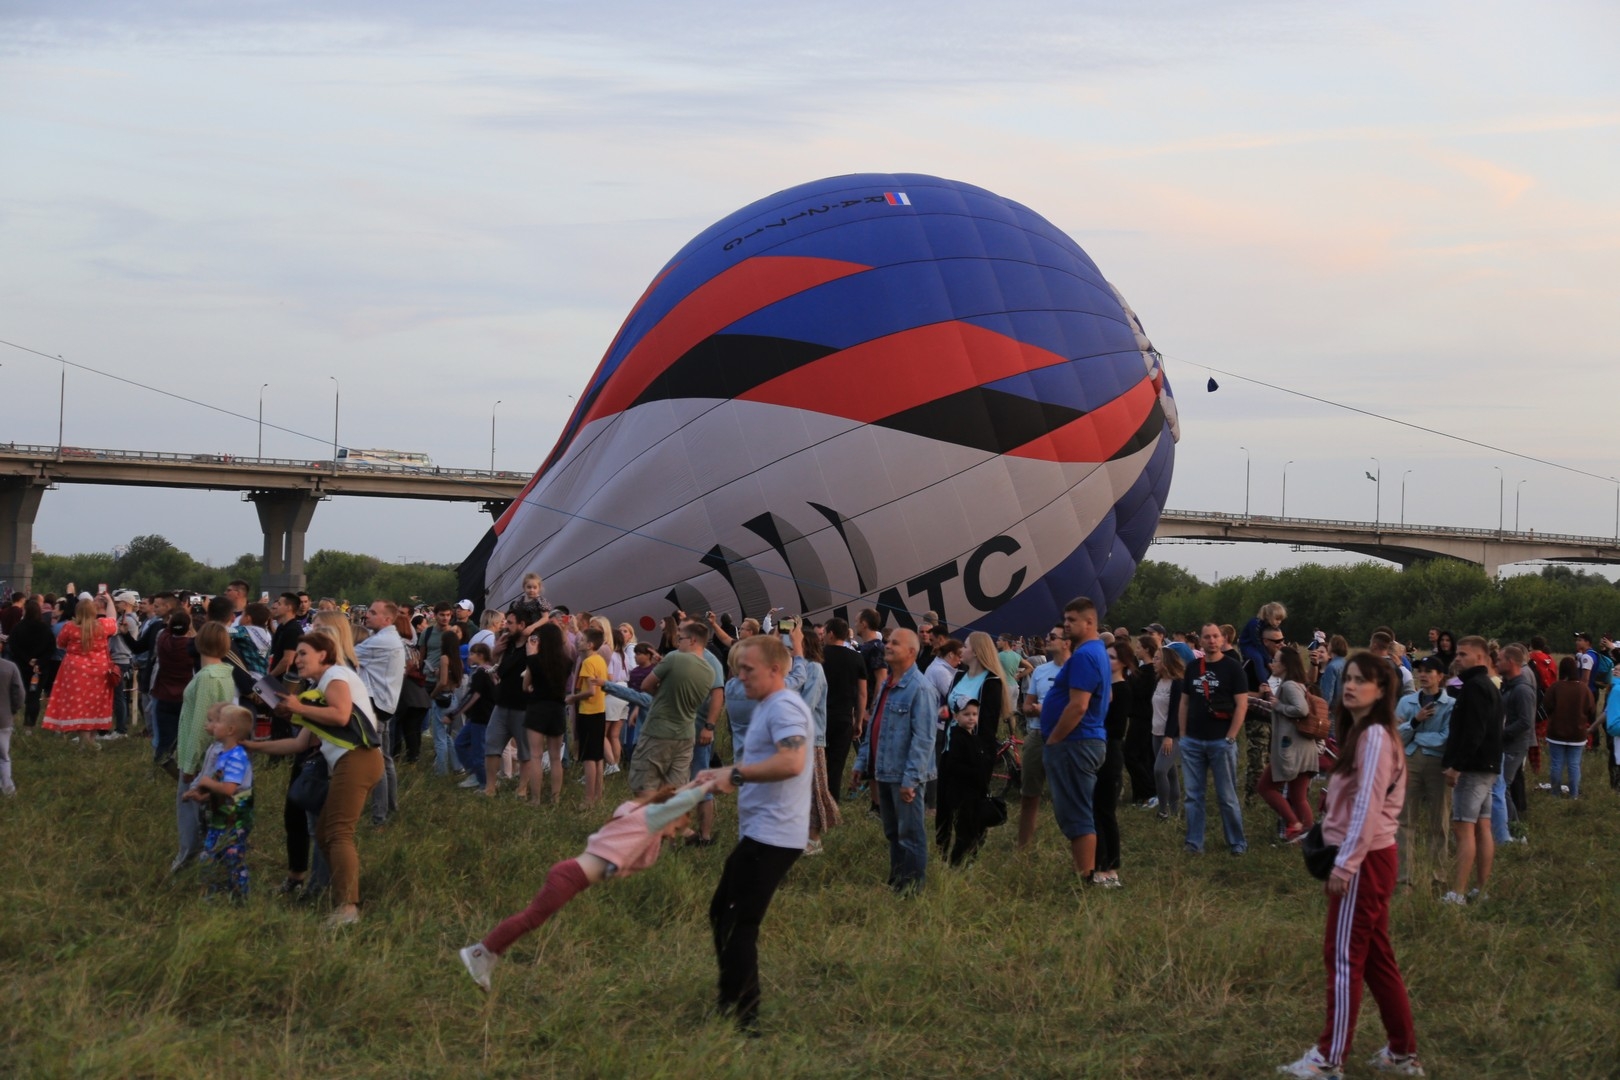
column 82, row 697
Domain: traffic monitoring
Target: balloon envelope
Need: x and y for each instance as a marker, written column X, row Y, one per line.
column 889, row 391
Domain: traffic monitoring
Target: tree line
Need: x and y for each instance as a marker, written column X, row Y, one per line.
column 152, row 564
column 1355, row 600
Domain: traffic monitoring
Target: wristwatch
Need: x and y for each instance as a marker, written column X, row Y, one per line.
column 708, row 726
column 736, row 777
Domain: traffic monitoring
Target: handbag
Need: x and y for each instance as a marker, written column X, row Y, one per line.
column 1315, row 724
column 1319, row 854
column 308, row 788
column 995, row 811
column 114, row 677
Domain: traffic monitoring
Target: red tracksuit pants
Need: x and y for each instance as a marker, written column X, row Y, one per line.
column 1356, row 947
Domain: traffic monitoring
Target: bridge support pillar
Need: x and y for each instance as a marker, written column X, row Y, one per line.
column 496, row 507
column 19, row 503
column 284, row 516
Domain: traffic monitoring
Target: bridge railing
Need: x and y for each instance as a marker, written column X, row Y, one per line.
column 1449, row 531
column 83, row 453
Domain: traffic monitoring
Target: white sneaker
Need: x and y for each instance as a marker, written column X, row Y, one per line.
column 1477, row 897
column 1453, row 898
column 1312, row 1064
column 813, row 847
column 470, row 782
column 610, row 770
column 480, row 962
column 1386, row 1061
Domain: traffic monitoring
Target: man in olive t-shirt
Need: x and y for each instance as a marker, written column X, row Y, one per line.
column 679, row 686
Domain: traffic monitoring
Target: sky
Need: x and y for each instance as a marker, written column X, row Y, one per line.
column 1405, row 208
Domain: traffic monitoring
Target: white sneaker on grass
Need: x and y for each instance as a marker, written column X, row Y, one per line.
column 1454, row 898
column 479, row 962
column 470, row 782
column 1387, row 1061
column 1312, row 1064
column 609, row 770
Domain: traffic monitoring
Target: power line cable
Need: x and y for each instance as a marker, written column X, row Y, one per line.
column 1393, row 420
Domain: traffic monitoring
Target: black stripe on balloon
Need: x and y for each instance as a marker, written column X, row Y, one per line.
column 730, row 365
column 1149, row 431
column 990, row 420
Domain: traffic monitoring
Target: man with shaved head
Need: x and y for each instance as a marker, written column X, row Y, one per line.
column 897, row 752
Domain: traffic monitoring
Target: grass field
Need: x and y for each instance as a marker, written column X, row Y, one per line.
column 1206, row 967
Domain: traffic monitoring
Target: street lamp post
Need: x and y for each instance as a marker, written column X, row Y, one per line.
column 1404, row 475
column 492, row 409
column 1501, row 496
column 1378, row 490
column 1517, row 492
column 1248, row 460
column 1285, row 487
column 261, row 418
column 337, row 401
column 1616, row 508
column 61, row 408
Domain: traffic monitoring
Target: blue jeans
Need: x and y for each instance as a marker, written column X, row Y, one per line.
column 443, row 756
column 1071, row 779
column 903, row 827
column 1502, row 811
column 1566, row 763
column 1201, row 756
column 470, row 749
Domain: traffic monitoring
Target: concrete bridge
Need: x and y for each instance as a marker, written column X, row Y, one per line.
column 1403, row 544
column 286, row 491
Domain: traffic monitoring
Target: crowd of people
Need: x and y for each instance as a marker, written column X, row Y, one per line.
column 1428, row 755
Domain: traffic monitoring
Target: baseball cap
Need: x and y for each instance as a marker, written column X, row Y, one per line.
column 127, row 596
column 465, row 605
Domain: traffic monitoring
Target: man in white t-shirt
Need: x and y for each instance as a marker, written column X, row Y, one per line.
column 772, row 778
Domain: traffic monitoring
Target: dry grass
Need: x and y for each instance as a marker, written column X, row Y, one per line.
column 1198, row 968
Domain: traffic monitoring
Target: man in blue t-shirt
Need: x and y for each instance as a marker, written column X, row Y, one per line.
column 1075, row 741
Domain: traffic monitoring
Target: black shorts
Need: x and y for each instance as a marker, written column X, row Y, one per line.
column 590, row 736
column 548, row 718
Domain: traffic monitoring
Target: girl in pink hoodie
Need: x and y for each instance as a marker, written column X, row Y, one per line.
column 631, row 841
column 1364, row 797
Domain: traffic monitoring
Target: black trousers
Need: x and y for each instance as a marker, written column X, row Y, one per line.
column 840, row 737
column 1105, row 805
column 296, row 823
column 1139, row 751
column 752, row 873
column 961, row 810
column 408, row 731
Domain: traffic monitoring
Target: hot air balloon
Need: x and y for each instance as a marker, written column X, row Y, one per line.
column 888, row 391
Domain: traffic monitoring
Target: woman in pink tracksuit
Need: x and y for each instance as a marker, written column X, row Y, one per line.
column 1364, row 798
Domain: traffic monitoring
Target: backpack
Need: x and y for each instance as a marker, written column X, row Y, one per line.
column 1315, row 724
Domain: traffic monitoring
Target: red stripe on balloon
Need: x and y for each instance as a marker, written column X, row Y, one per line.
column 708, row 309
column 891, row 374
column 1098, row 435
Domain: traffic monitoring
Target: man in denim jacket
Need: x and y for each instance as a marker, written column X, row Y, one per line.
column 1425, row 724
column 897, row 751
